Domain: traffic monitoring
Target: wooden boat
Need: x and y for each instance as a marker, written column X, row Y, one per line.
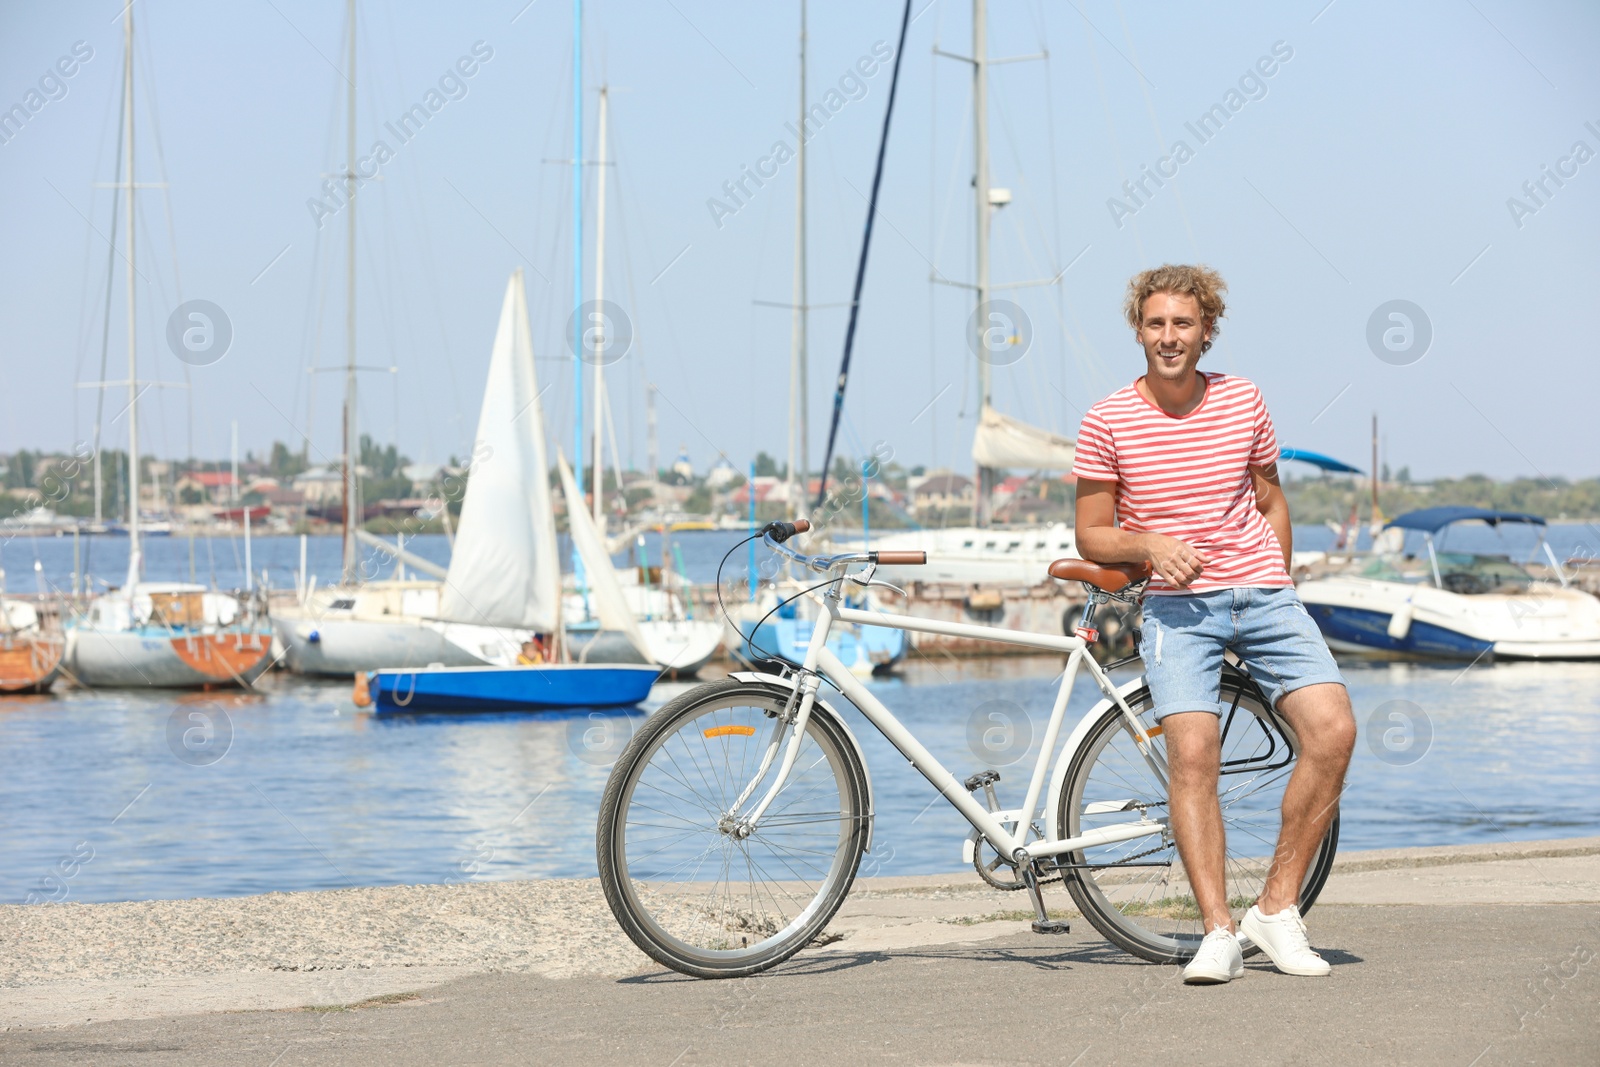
column 30, row 654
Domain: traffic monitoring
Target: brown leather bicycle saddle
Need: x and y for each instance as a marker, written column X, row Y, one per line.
column 1110, row 577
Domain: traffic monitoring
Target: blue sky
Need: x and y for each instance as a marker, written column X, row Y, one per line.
column 1374, row 164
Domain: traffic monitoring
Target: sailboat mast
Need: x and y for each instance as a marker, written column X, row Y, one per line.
column 799, row 451
column 133, row 358
column 980, row 190
column 352, row 486
column 577, row 252
column 599, row 320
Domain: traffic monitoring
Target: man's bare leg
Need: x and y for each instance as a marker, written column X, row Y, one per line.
column 1322, row 719
column 1194, row 755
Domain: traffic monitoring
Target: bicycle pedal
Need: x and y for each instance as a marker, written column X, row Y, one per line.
column 1051, row 926
column 981, row 779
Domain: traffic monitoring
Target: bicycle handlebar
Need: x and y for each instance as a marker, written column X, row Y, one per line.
column 782, row 531
column 774, row 534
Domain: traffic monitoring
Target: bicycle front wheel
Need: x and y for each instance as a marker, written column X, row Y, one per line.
column 685, row 886
column 1136, row 892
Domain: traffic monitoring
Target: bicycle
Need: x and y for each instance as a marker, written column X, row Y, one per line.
column 721, row 856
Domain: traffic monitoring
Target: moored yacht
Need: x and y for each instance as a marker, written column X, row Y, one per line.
column 1455, row 605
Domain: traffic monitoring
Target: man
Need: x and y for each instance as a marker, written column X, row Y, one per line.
column 1179, row 470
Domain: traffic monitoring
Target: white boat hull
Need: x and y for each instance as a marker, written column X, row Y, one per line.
column 1403, row 618
column 137, row 659
column 344, row 646
column 970, row 555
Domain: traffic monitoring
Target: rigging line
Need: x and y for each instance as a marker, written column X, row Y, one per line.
column 153, row 109
column 1028, row 199
column 1111, row 130
column 861, row 267
column 951, row 182
column 105, row 331
column 633, row 301
column 1055, row 182
column 675, row 348
column 753, row 412
column 1161, row 139
column 425, row 237
column 86, row 321
column 305, row 321
column 1033, row 365
column 148, row 324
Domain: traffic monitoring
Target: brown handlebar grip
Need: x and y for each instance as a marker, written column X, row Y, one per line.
column 901, row 559
column 801, row 525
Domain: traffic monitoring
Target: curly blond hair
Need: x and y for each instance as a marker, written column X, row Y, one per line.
column 1198, row 281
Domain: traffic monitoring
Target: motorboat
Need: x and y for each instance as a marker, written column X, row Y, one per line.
column 1455, row 605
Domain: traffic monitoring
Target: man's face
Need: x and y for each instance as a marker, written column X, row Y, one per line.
column 1172, row 333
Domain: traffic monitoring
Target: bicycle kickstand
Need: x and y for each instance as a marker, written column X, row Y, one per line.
column 1042, row 923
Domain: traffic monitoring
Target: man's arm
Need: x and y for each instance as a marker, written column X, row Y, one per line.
column 1271, row 502
column 1100, row 539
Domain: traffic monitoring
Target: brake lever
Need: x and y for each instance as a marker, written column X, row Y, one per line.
column 866, row 581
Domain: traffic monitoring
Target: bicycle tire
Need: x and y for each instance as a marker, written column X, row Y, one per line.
column 1167, row 928
column 674, row 920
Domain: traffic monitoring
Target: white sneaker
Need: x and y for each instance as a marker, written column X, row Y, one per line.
column 1219, row 960
column 1283, row 938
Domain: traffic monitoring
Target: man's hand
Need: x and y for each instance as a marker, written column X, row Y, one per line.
column 1173, row 559
column 1099, row 538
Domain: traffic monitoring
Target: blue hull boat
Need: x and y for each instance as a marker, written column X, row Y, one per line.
column 534, row 687
column 863, row 649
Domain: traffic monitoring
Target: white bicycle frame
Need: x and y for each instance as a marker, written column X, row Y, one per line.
column 1014, row 846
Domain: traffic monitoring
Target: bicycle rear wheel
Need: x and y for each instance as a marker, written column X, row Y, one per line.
column 1135, row 892
column 687, row 889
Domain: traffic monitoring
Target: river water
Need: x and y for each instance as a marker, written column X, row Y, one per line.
column 291, row 788
column 220, row 560
column 134, row 795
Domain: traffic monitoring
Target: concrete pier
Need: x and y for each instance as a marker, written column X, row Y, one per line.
column 1440, row 954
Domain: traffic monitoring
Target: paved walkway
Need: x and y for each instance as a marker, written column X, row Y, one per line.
column 1441, row 955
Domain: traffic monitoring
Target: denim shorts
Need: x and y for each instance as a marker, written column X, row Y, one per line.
column 1183, row 638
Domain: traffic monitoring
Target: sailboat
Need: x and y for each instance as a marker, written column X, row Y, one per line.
column 504, row 581
column 768, row 631
column 31, row 647
column 982, row 554
column 159, row 633
column 653, row 621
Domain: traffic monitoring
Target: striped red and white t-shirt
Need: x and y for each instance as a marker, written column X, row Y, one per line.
column 1189, row 478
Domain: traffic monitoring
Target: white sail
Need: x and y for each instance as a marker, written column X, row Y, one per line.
column 1002, row 441
column 611, row 604
column 504, row 570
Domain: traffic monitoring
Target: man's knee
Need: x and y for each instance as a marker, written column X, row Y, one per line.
column 1326, row 722
column 1194, row 743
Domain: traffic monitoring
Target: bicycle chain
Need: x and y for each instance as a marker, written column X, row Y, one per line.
column 1060, row 874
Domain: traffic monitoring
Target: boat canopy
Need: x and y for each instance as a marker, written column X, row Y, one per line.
column 1432, row 520
column 1317, row 459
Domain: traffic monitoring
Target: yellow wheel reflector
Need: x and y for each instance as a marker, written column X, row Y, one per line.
column 1154, row 731
column 725, row 731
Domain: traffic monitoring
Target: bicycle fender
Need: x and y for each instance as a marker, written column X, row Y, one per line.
column 1058, row 778
column 844, row 728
